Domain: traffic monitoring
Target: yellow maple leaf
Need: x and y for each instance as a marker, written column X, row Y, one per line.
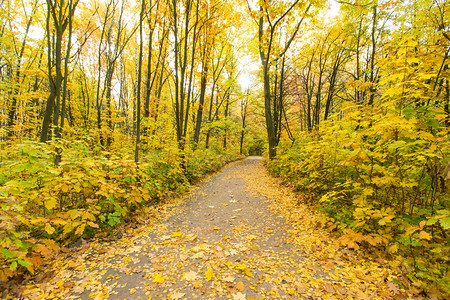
column 49, row 229
column 158, row 278
column 190, row 276
column 176, row 234
column 243, row 268
column 229, row 279
column 209, row 274
column 252, row 237
column 240, row 286
column 424, row 235
column 177, row 296
column 80, row 229
column 239, row 296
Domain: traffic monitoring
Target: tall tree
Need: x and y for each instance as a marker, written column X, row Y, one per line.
column 18, row 80
column 184, row 24
column 59, row 17
column 270, row 19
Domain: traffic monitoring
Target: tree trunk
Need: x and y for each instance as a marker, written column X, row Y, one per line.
column 198, row 123
column 138, row 90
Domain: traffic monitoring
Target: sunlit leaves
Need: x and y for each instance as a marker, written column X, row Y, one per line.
column 370, row 184
column 49, row 229
column 244, row 269
column 209, row 274
column 190, row 276
column 158, row 278
column 85, row 194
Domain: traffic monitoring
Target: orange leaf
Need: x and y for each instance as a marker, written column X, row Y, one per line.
column 424, row 235
column 93, row 225
column 240, row 286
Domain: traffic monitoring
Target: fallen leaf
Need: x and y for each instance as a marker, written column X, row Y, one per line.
column 158, row 267
column 240, row 286
column 203, row 289
column 209, row 274
column 190, row 276
column 176, row 234
column 239, row 296
column 393, row 287
column 78, row 289
column 252, row 237
column 158, row 278
column 243, row 268
column 177, row 296
column 68, row 285
column 233, row 251
column 328, row 287
column 229, row 279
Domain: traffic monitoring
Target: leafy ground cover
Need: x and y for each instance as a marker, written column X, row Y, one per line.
column 238, row 235
column 45, row 208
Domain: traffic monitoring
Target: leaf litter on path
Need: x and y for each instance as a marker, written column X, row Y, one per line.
column 263, row 244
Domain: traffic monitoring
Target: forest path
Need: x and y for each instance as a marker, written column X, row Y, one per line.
column 238, row 235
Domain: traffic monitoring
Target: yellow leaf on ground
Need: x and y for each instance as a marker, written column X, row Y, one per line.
column 177, row 296
column 229, row 279
column 240, row 286
column 176, row 234
column 239, row 296
column 243, row 268
column 190, row 276
column 158, row 278
column 252, row 237
column 209, row 274
column 158, row 267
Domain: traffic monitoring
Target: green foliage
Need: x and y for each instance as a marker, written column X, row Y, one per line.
column 204, row 161
column 382, row 177
column 44, row 207
column 256, row 145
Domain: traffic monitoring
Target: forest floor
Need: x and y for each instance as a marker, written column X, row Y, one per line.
column 239, row 234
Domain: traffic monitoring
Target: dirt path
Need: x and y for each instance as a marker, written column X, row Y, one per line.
column 238, row 235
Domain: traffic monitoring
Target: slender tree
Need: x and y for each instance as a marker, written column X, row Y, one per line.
column 267, row 29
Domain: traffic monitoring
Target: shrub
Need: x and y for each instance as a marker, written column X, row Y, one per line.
column 383, row 179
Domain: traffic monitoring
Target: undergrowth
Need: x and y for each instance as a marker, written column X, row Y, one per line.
column 383, row 179
column 45, row 207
